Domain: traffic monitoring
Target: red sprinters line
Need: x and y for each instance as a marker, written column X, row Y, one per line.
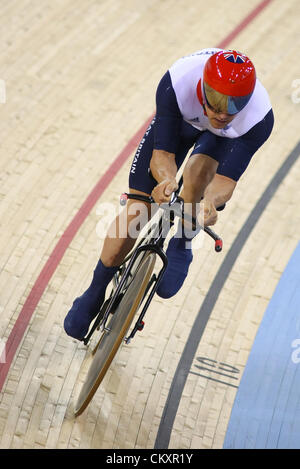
column 239, row 28
column 43, row 279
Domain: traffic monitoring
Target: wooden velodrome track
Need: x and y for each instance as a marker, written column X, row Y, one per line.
column 80, row 78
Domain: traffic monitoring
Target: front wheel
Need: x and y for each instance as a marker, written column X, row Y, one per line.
column 116, row 328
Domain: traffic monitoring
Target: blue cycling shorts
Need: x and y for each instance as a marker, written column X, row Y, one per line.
column 169, row 132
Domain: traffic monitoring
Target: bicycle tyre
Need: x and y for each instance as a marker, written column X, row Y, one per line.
column 119, row 324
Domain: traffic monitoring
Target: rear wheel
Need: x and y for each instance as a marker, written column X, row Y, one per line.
column 116, row 328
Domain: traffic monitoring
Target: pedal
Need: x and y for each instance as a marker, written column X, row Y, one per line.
column 98, row 323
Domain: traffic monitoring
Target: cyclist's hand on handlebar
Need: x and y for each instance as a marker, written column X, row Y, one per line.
column 163, row 191
column 208, row 214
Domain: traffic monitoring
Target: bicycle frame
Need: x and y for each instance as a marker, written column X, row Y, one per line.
column 160, row 231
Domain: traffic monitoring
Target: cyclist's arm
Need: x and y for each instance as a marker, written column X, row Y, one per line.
column 163, row 169
column 168, row 121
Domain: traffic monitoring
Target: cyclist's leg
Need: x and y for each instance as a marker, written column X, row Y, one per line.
column 119, row 241
column 121, row 235
column 124, row 230
column 198, row 173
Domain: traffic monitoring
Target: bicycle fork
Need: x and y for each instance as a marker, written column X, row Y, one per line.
column 152, row 287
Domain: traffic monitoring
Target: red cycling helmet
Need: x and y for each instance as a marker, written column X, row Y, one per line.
column 228, row 81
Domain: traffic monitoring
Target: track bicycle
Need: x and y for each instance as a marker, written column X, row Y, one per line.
column 133, row 288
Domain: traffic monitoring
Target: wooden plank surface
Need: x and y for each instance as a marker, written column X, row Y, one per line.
column 80, row 80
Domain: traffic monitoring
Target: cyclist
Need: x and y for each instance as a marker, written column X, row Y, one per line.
column 210, row 101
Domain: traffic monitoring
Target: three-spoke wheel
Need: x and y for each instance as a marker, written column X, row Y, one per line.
column 116, row 327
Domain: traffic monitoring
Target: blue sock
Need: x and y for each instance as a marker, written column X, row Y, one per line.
column 86, row 307
column 180, row 256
